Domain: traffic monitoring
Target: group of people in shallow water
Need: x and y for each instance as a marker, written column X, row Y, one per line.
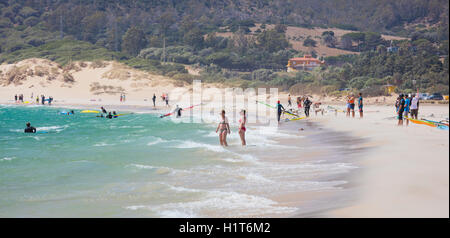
column 20, row 98
column 108, row 115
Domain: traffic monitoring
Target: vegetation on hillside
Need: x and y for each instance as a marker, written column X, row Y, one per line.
column 160, row 36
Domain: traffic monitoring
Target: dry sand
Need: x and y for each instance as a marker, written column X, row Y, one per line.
column 405, row 172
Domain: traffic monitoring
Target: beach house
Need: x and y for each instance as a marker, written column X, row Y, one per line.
column 307, row 62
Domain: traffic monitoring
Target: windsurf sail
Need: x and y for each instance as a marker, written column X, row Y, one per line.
column 286, row 112
column 186, row 108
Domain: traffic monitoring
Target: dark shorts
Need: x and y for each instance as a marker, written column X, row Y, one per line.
column 352, row 106
column 360, row 107
column 400, row 115
column 414, row 112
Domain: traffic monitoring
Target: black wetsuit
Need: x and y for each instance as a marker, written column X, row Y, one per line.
column 104, row 110
column 179, row 112
column 154, row 100
column 30, row 129
column 280, row 110
column 307, row 105
column 109, row 116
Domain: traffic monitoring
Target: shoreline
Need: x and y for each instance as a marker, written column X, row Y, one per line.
column 374, row 189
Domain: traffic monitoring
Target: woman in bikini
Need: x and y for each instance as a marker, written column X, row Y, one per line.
column 223, row 128
column 242, row 128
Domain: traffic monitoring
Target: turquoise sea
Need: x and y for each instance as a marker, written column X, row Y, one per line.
column 139, row 165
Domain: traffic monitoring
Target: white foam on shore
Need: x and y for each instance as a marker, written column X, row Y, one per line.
column 192, row 144
column 215, row 203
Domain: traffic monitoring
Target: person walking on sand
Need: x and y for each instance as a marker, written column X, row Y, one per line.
column 167, row 100
column 400, row 109
column 154, row 100
column 280, row 109
column 415, row 106
column 360, row 105
column 289, row 101
column 42, row 99
column 223, row 128
column 242, row 128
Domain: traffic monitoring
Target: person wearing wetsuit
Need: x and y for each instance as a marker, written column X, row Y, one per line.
column 30, row 129
column 103, row 110
column 43, row 99
column 177, row 111
column 307, row 103
column 109, row 116
column 154, row 100
column 15, row 98
column 280, row 109
column 400, row 109
column 360, row 105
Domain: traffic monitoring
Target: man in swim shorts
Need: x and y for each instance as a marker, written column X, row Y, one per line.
column 360, row 105
column 407, row 106
column 415, row 106
column 400, row 109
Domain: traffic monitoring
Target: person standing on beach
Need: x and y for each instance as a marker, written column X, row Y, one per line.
column 242, row 128
column 406, row 110
column 415, row 106
column 43, row 99
column 307, row 103
column 167, row 99
column 289, row 101
column 280, row 109
column 37, row 99
column 400, row 109
column 15, row 98
column 223, row 128
column 351, row 102
column 154, row 100
column 360, row 105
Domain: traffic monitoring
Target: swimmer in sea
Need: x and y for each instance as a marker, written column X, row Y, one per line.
column 223, row 128
column 30, row 129
column 103, row 110
column 242, row 128
column 109, row 116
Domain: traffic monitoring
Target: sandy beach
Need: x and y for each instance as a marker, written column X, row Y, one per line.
column 402, row 171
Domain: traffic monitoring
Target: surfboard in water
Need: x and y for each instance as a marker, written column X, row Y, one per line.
column 90, row 111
